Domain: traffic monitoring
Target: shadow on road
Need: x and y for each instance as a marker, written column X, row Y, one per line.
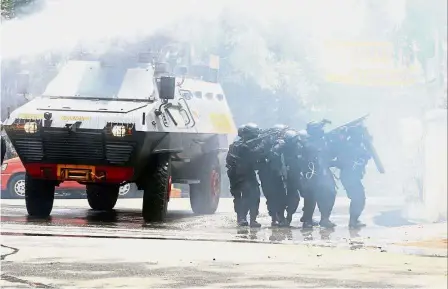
column 391, row 219
column 111, row 219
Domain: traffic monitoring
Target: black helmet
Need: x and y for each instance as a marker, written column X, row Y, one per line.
column 291, row 136
column 280, row 127
column 315, row 128
column 249, row 130
column 278, row 130
column 303, row 134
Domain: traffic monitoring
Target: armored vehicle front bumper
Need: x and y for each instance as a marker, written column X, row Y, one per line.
column 85, row 155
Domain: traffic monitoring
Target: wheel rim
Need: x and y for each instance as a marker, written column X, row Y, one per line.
column 19, row 188
column 214, row 182
column 124, row 189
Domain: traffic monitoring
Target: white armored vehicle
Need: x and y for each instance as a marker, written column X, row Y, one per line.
column 105, row 124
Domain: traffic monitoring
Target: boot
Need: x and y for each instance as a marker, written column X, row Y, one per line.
column 313, row 222
column 274, row 222
column 326, row 223
column 355, row 224
column 254, row 224
column 307, row 225
column 241, row 221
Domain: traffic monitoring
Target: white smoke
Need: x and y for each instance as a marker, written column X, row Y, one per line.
column 64, row 24
column 293, row 27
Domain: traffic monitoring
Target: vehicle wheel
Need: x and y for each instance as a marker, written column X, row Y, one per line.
column 16, row 186
column 127, row 191
column 39, row 196
column 156, row 189
column 102, row 197
column 204, row 197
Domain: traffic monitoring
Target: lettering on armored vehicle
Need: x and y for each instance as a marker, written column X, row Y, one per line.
column 75, row 118
column 30, row 116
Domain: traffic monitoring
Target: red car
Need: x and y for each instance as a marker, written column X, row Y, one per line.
column 13, row 182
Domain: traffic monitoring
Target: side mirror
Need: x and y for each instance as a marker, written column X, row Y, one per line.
column 167, row 87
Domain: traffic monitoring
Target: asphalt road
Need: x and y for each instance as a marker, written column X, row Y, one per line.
column 78, row 248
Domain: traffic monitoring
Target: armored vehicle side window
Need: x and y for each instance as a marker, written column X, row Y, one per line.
column 186, row 94
column 220, row 97
column 209, row 95
column 198, row 94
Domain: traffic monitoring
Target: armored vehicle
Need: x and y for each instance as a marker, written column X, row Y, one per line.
column 150, row 121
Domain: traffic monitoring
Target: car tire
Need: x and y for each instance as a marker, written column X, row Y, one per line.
column 39, row 196
column 16, row 186
column 156, row 189
column 102, row 197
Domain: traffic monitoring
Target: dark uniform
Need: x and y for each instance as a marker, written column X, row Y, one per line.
column 306, row 192
column 271, row 178
column 318, row 177
column 3, row 149
column 244, row 186
column 352, row 158
column 289, row 150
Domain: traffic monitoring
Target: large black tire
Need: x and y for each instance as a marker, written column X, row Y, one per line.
column 102, row 197
column 16, row 186
column 39, row 196
column 156, row 189
column 204, row 197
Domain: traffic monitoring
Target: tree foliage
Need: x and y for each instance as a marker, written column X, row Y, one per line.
column 423, row 27
column 9, row 8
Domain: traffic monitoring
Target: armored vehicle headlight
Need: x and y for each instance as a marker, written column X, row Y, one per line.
column 119, row 130
column 30, row 127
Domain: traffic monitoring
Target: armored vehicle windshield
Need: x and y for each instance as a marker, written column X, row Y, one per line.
column 94, row 79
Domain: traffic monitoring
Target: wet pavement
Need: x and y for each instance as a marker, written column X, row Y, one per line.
column 115, row 249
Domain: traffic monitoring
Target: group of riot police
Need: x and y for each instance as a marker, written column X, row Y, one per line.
column 292, row 165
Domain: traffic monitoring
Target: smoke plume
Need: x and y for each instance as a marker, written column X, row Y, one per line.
column 276, row 49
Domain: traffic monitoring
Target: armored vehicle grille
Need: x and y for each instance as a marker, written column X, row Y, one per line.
column 29, row 149
column 80, row 147
column 73, row 147
column 118, row 153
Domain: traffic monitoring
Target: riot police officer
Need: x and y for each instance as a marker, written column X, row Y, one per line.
column 289, row 149
column 3, row 143
column 309, row 200
column 3, row 148
column 317, row 172
column 244, row 186
column 352, row 158
column 271, row 177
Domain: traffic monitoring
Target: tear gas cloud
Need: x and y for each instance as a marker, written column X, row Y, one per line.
column 294, row 27
column 64, row 23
